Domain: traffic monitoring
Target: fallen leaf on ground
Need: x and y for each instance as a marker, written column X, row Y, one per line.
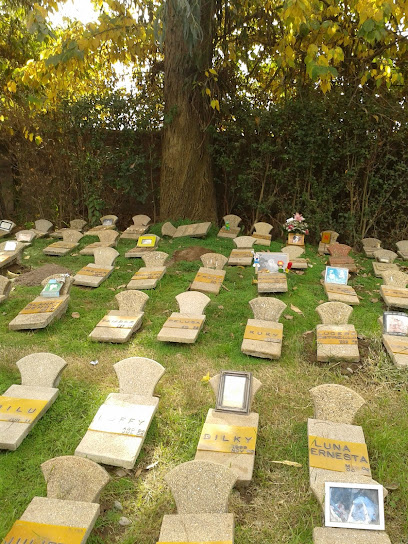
column 27, row 257
column 117, row 267
column 206, row 378
column 75, row 315
column 294, row 288
column 297, row 310
column 373, row 300
column 152, row 465
column 290, row 463
column 220, row 307
column 307, row 333
column 121, row 286
column 288, row 316
column 111, row 289
column 299, row 272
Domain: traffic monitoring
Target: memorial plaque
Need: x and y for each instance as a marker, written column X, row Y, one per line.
column 261, row 236
column 242, row 253
column 337, row 337
column 146, row 241
column 6, row 225
column 62, row 245
column 228, row 439
column 148, row 275
column 209, row 278
column 340, row 289
column 10, row 246
column 336, row 275
column 398, row 293
column 40, row 307
column 234, row 392
column 184, row 323
column 395, row 323
column 271, row 278
column 338, row 455
column 398, row 345
column 129, row 420
column 326, row 237
column 20, row 410
column 296, row 239
column 97, row 272
column 29, row 532
column 264, row 334
column 117, row 322
column 107, row 222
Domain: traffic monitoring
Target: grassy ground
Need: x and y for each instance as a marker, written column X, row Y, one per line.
column 278, row 506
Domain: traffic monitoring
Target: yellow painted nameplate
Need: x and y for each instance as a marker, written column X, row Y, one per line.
column 193, row 323
column 264, row 334
column 261, row 236
column 97, row 272
column 62, row 245
column 398, row 346
column 339, row 289
column 28, row 532
column 148, row 275
column 326, row 237
column 202, row 277
column 227, row 439
column 242, row 253
column 20, row 410
column 4, row 258
column 397, row 293
column 271, row 278
column 338, row 455
column 39, row 307
column 337, row 337
column 197, row 542
column 117, row 322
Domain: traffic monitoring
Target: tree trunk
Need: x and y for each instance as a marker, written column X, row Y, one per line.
column 186, row 181
column 6, row 186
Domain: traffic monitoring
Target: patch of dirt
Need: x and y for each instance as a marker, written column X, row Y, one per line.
column 15, row 268
column 192, row 253
column 36, row 276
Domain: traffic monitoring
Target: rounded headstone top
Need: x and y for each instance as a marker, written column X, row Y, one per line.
column 155, row 258
column 141, row 220
column 336, row 403
column 77, row 224
column 201, row 487
column 371, row 242
column 107, row 237
column 402, row 245
column 294, row 252
column 138, row 375
column 25, row 235
column 385, row 256
column 395, row 278
column 214, row 260
column 41, row 369
column 105, row 256
column 114, row 218
column 334, row 313
column 168, row 229
column 43, row 225
column 71, row 235
column 192, row 302
column 244, row 242
column 5, row 286
column 73, row 478
column 262, row 227
column 131, row 301
column 233, row 220
column 267, row 308
column 338, row 250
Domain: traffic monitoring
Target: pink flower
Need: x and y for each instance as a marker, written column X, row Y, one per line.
column 298, row 217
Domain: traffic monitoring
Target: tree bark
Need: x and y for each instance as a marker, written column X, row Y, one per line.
column 186, row 181
column 6, row 186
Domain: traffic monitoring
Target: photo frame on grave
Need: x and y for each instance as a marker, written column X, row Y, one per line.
column 296, row 239
column 146, row 241
column 354, row 506
column 395, row 323
column 326, row 237
column 336, row 275
column 10, row 246
column 6, row 225
column 272, row 261
column 52, row 288
column 234, row 392
column 107, row 222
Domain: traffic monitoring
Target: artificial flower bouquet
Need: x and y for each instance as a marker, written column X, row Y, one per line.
column 296, row 224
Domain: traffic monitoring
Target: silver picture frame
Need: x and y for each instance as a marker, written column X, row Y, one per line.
column 234, row 392
column 395, row 323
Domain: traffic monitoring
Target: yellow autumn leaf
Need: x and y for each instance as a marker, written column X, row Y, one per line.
column 1, row 117
column 11, row 86
column 212, row 71
column 38, row 139
column 215, row 105
column 289, row 463
column 206, row 378
column 207, row 90
column 31, row 137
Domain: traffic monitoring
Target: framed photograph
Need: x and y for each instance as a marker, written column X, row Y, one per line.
column 296, row 239
column 395, row 323
column 146, row 241
column 336, row 275
column 6, row 225
column 234, row 392
column 107, row 222
column 354, row 506
column 326, row 237
column 272, row 261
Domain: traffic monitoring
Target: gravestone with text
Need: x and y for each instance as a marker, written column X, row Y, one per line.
column 70, row 240
column 263, row 334
column 25, row 236
column 185, row 326
column 42, row 228
column 336, row 288
column 395, row 337
column 209, row 277
column 21, row 406
column 5, row 288
column 336, row 339
column 393, row 290
column 108, row 222
column 262, row 234
column 147, row 277
column 6, row 227
column 139, row 227
column 326, row 237
column 119, row 325
column 402, row 247
column 339, row 256
column 231, row 228
column 116, row 434
column 370, row 245
column 10, row 252
column 93, row 274
column 384, row 260
column 294, row 253
column 107, row 238
column 243, row 255
column 145, row 245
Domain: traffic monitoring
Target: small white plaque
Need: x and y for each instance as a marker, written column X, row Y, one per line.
column 10, row 246
column 129, row 419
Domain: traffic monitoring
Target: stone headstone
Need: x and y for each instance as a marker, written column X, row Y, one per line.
column 107, row 238
column 244, row 242
column 394, row 291
column 336, row 340
column 168, row 230
column 42, row 311
column 25, row 236
column 21, row 406
column 341, row 293
column 385, row 256
column 96, row 273
column 6, row 226
column 338, row 250
column 12, row 255
column 262, row 233
column 155, row 258
column 42, row 227
column 119, row 325
column 336, row 403
column 214, row 260
column 108, row 222
column 243, row 255
column 272, row 282
column 70, row 239
column 402, row 246
column 397, row 348
column 334, row 313
column 117, row 432
column 67, row 515
column 5, row 288
column 148, row 277
column 196, row 230
column 327, row 237
column 139, row 251
column 184, row 327
column 231, row 228
column 140, row 226
column 396, row 279
column 78, row 224
column 370, row 245
column 263, row 335
column 379, row 268
column 141, row 219
column 209, row 278
column 294, row 253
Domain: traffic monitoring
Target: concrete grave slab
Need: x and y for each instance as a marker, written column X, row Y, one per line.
column 336, row 340
column 379, row 268
column 21, row 406
column 326, row 237
column 195, row 230
column 370, row 245
column 168, row 229
column 119, row 325
column 139, row 227
column 42, row 228
column 397, row 348
column 341, row 293
column 139, row 252
column 272, row 282
column 42, row 311
column 262, row 234
column 184, row 327
column 338, row 250
column 107, row 238
column 108, row 222
column 344, row 262
column 6, row 227
column 70, row 239
column 393, row 291
column 96, row 273
column 148, row 277
column 243, row 255
column 25, row 236
column 402, row 246
column 331, row 535
column 231, row 228
column 294, row 253
column 385, row 256
column 10, row 252
column 263, row 335
column 208, row 280
column 74, row 224
column 5, row 288
column 336, row 403
column 214, row 260
column 117, row 432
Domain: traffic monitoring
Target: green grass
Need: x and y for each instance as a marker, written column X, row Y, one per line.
column 278, row 506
